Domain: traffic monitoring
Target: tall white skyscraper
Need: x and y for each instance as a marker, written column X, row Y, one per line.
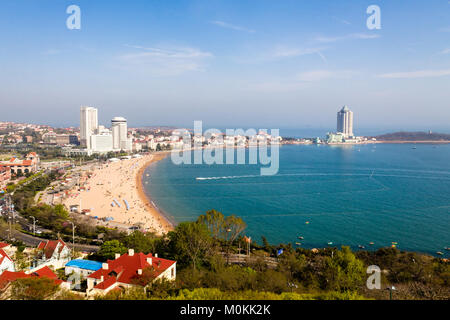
column 345, row 122
column 88, row 125
column 119, row 133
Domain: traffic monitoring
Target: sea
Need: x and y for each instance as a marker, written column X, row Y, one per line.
column 350, row 195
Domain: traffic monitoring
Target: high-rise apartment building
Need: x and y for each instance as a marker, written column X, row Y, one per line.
column 120, row 133
column 88, row 125
column 345, row 122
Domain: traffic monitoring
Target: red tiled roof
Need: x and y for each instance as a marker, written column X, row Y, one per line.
column 50, row 246
column 8, row 276
column 125, row 268
column 3, row 245
column 106, row 283
column 12, row 163
column 45, row 272
column 3, row 256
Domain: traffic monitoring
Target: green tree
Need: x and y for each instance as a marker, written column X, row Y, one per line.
column 221, row 227
column 191, row 243
column 109, row 249
column 148, row 275
column 343, row 271
column 214, row 221
column 33, row 289
column 140, row 242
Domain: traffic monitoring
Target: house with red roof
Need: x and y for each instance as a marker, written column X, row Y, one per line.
column 6, row 263
column 126, row 271
column 28, row 165
column 8, row 277
column 55, row 253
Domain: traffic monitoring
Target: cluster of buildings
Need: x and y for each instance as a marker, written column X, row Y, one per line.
column 15, row 166
column 121, row 273
column 95, row 138
column 14, row 133
column 344, row 132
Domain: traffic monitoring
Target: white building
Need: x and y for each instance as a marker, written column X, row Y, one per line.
column 6, row 263
column 345, row 122
column 120, row 134
column 88, row 125
column 102, row 142
column 125, row 269
column 53, row 253
column 82, row 267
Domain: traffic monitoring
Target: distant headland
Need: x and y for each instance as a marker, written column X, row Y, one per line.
column 413, row 137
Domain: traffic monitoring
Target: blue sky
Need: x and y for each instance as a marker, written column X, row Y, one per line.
column 251, row 63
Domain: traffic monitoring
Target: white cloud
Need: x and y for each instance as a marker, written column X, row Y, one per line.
column 284, row 52
column 445, row 51
column 343, row 21
column 415, row 74
column 362, row 36
column 51, row 52
column 290, row 52
column 165, row 61
column 275, row 86
column 319, row 75
column 231, row 26
column 301, row 80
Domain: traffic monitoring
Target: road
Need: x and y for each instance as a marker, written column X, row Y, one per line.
column 34, row 241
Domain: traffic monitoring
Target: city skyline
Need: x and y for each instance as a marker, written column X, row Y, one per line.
column 230, row 64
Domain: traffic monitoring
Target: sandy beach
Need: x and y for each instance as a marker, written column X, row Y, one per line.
column 113, row 186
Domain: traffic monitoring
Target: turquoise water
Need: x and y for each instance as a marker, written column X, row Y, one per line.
column 350, row 195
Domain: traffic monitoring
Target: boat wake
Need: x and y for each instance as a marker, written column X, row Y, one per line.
column 226, row 177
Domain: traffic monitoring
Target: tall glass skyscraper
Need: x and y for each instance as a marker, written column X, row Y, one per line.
column 345, row 122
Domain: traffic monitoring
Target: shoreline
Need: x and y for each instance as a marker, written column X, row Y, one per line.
column 370, row 142
column 113, row 193
column 145, row 197
column 412, row 141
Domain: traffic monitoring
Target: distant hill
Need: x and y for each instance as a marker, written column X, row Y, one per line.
column 413, row 136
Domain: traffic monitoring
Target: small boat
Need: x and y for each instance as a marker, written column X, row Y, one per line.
column 414, row 147
column 330, row 243
column 371, row 243
column 298, row 243
column 307, row 222
column 394, row 242
column 301, row 238
column 440, row 253
column 447, row 248
column 361, row 246
column 147, row 175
